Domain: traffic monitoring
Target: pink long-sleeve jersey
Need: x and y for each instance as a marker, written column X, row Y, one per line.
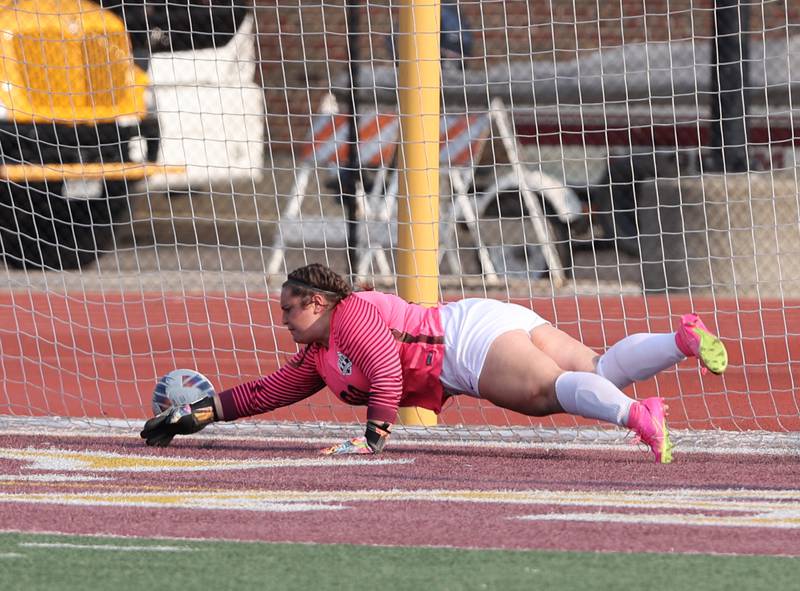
column 383, row 352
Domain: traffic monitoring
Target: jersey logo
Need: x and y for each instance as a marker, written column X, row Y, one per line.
column 345, row 365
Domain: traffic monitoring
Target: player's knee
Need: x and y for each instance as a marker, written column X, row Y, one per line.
column 542, row 398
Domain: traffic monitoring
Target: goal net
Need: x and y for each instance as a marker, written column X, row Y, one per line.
column 611, row 165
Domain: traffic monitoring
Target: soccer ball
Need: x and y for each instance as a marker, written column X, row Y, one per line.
column 179, row 387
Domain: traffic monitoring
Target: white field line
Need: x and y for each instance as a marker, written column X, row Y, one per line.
column 730, row 508
column 233, row 502
column 51, row 478
column 66, row 545
column 61, row 460
column 442, row 437
column 129, row 537
column 189, row 539
column 735, row 499
column 674, row 519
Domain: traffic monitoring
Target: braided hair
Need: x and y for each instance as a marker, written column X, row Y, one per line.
column 316, row 278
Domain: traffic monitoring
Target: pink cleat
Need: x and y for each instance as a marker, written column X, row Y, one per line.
column 647, row 419
column 695, row 340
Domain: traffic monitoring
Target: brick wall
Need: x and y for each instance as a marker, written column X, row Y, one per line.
column 303, row 43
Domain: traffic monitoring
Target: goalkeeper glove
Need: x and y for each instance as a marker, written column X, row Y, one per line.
column 377, row 434
column 357, row 445
column 179, row 420
column 373, row 441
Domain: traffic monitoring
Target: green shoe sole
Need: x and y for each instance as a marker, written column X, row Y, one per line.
column 666, row 444
column 712, row 353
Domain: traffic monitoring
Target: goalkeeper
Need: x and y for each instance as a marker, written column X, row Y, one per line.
column 377, row 350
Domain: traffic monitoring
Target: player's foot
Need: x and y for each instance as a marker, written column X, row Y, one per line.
column 695, row 340
column 647, row 418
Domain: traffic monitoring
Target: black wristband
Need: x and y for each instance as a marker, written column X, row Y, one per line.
column 377, row 434
column 204, row 410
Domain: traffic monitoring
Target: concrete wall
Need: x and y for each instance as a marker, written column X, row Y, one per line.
column 735, row 234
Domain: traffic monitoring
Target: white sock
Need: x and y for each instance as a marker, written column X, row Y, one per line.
column 638, row 357
column 593, row 397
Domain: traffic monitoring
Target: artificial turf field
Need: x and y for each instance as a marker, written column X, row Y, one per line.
column 218, row 512
column 88, row 563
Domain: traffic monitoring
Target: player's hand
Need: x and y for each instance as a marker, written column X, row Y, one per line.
column 357, row 445
column 178, row 420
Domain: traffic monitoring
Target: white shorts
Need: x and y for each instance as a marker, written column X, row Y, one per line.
column 470, row 327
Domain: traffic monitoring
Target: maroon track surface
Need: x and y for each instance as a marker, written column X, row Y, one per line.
column 373, row 519
column 99, row 354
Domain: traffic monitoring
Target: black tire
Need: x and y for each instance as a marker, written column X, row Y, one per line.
column 615, row 201
column 507, row 231
column 40, row 228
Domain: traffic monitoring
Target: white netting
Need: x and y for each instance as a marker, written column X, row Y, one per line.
column 611, row 165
